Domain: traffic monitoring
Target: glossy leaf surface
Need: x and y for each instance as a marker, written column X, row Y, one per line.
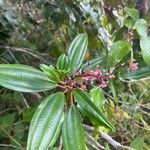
column 141, row 27
column 50, row 72
column 24, row 78
column 97, row 96
column 118, row 51
column 73, row 133
column 139, row 74
column 145, row 47
column 63, row 63
column 91, row 110
column 46, row 123
column 77, row 51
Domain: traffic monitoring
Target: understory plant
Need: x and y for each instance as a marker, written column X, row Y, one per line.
column 77, row 92
column 60, row 112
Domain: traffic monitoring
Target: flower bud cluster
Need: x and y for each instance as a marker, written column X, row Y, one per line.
column 132, row 66
column 85, row 79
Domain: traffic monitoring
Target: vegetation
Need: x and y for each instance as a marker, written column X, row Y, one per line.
column 74, row 75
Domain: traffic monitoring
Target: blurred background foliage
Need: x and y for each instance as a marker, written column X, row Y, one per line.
column 34, row 32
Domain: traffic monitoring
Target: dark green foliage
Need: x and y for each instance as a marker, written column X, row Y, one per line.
column 93, row 77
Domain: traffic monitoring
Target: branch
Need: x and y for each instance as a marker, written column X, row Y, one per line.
column 6, row 145
column 24, row 50
column 110, row 140
column 25, row 101
column 60, row 143
column 10, row 137
column 91, row 144
column 93, row 141
column 6, row 110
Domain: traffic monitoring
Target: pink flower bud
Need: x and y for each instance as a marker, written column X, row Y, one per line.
column 133, row 67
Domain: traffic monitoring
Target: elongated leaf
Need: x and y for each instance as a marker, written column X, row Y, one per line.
column 145, row 47
column 77, row 51
column 73, row 133
column 118, row 51
column 63, row 63
column 50, row 72
column 139, row 74
column 97, row 96
column 46, row 123
column 91, row 110
column 24, row 78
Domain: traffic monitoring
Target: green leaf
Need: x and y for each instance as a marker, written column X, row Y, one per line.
column 91, row 110
column 139, row 74
column 141, row 27
column 97, row 96
column 133, row 13
column 46, row 123
column 63, row 63
column 145, row 47
column 77, row 51
column 118, row 51
column 50, row 72
column 28, row 113
column 100, row 61
column 73, row 133
column 24, row 78
column 7, row 120
column 129, row 23
column 133, row 16
column 137, row 143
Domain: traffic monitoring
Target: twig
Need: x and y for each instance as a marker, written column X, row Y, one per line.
column 144, row 112
column 25, row 50
column 91, row 144
column 12, row 138
column 60, row 143
column 109, row 139
column 25, row 101
column 12, row 55
column 134, row 80
column 114, row 143
column 6, row 145
column 6, row 110
column 108, row 95
column 93, row 141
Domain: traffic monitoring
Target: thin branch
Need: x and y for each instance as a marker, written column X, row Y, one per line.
column 109, row 95
column 24, row 50
column 114, row 143
column 91, row 144
column 109, row 139
column 13, row 146
column 25, row 101
column 12, row 55
column 6, row 110
column 12, row 138
column 93, row 141
column 134, row 81
column 144, row 112
column 60, row 143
